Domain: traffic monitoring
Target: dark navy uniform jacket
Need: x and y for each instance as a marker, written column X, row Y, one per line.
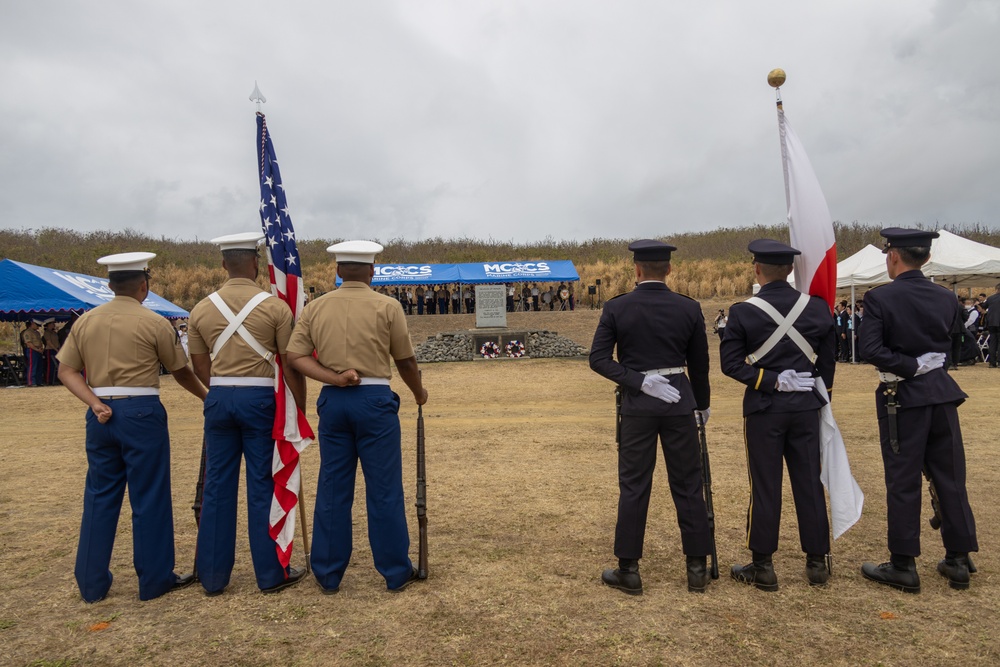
column 653, row 327
column 749, row 327
column 904, row 319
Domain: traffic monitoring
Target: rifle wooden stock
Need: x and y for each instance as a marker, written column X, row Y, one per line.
column 302, row 519
column 935, row 520
column 706, row 485
column 199, row 495
column 618, row 416
column 421, row 496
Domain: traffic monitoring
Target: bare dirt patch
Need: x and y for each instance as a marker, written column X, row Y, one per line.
column 522, row 492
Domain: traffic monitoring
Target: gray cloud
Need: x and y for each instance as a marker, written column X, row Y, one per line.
column 511, row 120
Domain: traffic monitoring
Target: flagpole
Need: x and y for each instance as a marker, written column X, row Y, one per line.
column 285, row 275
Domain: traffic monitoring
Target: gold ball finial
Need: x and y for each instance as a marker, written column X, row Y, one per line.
column 776, row 77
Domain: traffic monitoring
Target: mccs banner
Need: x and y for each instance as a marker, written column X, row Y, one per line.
column 518, row 272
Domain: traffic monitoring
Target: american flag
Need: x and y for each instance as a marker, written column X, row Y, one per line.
column 291, row 431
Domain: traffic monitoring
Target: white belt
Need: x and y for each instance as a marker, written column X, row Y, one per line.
column 889, row 377
column 364, row 381
column 665, row 371
column 241, row 382
column 104, row 392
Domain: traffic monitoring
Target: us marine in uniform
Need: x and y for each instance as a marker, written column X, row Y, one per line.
column 656, row 332
column 781, row 409
column 121, row 345
column 235, row 335
column 907, row 335
column 356, row 332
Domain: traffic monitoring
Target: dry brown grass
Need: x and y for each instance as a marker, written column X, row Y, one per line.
column 521, row 506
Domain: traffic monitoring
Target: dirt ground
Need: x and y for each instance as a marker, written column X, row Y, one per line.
column 522, row 494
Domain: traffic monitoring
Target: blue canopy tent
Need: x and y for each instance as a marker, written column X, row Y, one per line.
column 387, row 275
column 28, row 291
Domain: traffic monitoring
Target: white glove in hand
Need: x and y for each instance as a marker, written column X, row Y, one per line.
column 702, row 415
column 659, row 387
column 795, row 381
column 929, row 361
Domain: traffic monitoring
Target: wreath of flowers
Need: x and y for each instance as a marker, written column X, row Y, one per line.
column 490, row 350
column 515, row 349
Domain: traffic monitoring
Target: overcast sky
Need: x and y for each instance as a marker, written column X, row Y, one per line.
column 508, row 119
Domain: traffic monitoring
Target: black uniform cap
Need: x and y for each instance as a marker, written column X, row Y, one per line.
column 648, row 250
column 900, row 237
column 768, row 251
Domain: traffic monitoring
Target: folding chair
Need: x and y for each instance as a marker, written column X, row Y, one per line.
column 984, row 345
column 11, row 371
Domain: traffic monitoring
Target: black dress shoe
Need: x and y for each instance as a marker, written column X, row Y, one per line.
column 294, row 576
column 697, row 574
column 758, row 575
column 956, row 571
column 904, row 579
column 413, row 577
column 183, row 581
column 816, row 570
column 627, row 581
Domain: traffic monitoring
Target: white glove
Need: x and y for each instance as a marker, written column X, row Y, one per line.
column 702, row 415
column 795, row 381
column 659, row 387
column 929, row 361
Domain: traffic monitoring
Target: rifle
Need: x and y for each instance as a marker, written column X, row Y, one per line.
column 302, row 520
column 199, row 494
column 935, row 520
column 421, row 496
column 618, row 416
column 706, row 485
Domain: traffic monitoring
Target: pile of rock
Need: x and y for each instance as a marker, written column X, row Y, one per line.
column 542, row 344
column 460, row 347
column 445, row 347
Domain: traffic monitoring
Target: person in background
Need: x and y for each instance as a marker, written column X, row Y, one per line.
column 720, row 323
column 182, row 336
column 51, row 340
column 34, row 354
column 420, row 294
column 993, row 324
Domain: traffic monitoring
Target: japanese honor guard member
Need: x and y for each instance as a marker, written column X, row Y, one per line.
column 656, row 332
column 907, row 335
column 776, row 343
column 121, row 345
column 356, row 332
column 235, row 335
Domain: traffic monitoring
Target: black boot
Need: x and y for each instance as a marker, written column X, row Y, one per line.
column 900, row 573
column 955, row 568
column 759, row 573
column 697, row 572
column 626, row 578
column 817, row 570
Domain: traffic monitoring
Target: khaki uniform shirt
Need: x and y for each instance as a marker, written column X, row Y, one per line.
column 33, row 340
column 122, row 344
column 270, row 324
column 51, row 339
column 353, row 327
